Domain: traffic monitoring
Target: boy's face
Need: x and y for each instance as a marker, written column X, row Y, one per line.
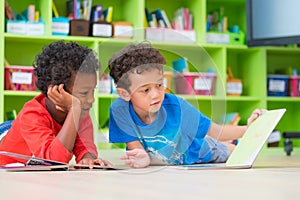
column 83, row 88
column 147, row 91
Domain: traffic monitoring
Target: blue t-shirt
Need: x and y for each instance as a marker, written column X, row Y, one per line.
column 176, row 136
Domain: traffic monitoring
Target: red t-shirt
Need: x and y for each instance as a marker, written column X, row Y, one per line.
column 34, row 133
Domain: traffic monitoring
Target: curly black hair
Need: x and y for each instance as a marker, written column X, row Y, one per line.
column 134, row 58
column 59, row 60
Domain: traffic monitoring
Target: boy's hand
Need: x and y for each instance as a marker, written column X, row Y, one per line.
column 255, row 114
column 136, row 158
column 97, row 161
column 62, row 99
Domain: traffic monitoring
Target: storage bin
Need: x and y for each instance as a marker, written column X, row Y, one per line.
column 79, row 27
column 294, row 86
column 60, row 26
column 24, row 27
column 20, row 78
column 101, row 29
column 198, row 83
column 277, row 85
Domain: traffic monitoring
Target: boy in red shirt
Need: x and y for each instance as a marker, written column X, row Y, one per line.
column 56, row 124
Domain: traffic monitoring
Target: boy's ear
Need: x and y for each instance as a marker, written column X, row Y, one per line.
column 124, row 94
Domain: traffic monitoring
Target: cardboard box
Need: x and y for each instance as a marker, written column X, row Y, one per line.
column 79, row 27
column 179, row 36
column 23, row 27
column 154, row 34
column 122, row 30
column 60, row 26
column 101, row 29
column 225, row 38
column 170, row 35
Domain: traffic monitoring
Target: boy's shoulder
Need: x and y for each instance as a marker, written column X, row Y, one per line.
column 38, row 103
column 172, row 99
column 118, row 103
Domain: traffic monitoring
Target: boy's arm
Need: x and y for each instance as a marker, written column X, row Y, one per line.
column 134, row 145
column 232, row 132
column 65, row 102
column 136, row 156
column 226, row 132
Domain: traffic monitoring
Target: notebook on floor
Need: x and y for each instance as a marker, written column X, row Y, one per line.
column 249, row 145
column 40, row 164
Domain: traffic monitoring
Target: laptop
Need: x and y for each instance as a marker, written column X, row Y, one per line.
column 249, row 145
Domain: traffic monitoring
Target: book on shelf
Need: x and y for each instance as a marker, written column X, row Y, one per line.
column 31, row 13
column 161, row 18
column 8, row 12
column 30, row 163
column 108, row 14
column 97, row 13
column 150, row 18
column 79, row 9
column 231, row 118
column 54, row 10
column 11, row 115
column 86, row 7
column 183, row 19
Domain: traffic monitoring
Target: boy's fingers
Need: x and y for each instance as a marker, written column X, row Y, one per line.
column 59, row 108
column 99, row 162
column 124, row 157
column 132, row 152
column 107, row 163
column 61, row 89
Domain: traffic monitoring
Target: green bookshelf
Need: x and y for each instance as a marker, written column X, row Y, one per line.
column 252, row 65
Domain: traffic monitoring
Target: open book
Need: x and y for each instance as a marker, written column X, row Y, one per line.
column 40, row 164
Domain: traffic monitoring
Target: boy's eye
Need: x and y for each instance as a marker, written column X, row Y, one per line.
column 83, row 93
column 146, row 90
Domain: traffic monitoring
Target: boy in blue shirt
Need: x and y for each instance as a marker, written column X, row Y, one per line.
column 159, row 126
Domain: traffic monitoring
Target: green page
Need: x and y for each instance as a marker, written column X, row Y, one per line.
column 254, row 138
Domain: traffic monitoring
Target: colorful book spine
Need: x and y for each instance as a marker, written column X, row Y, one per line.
column 97, row 13
column 54, row 9
column 31, row 13
column 108, row 14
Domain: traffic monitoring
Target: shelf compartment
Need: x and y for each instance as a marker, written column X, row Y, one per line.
column 245, row 65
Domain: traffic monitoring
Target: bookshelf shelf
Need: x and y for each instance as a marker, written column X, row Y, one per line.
column 21, row 93
column 252, row 65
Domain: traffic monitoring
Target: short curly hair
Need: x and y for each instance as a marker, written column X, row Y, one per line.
column 59, row 60
column 134, row 58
